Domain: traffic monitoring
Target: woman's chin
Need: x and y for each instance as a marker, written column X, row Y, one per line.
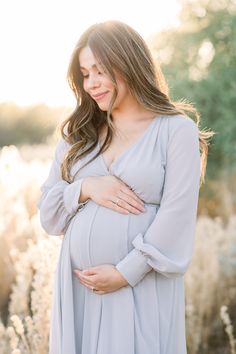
column 103, row 106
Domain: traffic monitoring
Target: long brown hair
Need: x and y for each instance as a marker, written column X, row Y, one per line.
column 118, row 48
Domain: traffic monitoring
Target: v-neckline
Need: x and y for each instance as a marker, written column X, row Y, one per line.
column 108, row 168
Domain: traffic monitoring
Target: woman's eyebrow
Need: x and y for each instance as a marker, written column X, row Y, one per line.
column 92, row 67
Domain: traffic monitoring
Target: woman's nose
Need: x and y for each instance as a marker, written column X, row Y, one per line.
column 93, row 81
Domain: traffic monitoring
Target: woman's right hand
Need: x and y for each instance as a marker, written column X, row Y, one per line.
column 106, row 190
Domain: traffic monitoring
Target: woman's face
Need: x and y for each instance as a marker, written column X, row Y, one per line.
column 97, row 83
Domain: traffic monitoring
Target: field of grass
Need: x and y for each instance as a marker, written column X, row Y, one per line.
column 28, row 258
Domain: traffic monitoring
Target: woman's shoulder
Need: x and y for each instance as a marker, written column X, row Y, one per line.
column 178, row 128
column 179, row 123
column 179, row 120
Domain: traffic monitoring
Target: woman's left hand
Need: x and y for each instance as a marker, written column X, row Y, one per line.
column 101, row 279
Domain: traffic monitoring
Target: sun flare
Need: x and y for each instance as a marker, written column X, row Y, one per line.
column 37, row 38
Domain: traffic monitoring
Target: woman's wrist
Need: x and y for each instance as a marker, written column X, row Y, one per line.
column 84, row 191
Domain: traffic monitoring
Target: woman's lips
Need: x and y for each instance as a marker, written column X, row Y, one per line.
column 99, row 96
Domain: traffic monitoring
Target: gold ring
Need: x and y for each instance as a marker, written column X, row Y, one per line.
column 117, row 201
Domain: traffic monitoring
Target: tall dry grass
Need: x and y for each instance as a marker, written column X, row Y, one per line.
column 28, row 258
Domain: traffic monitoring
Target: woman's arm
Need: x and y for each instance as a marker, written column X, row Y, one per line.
column 167, row 245
column 59, row 201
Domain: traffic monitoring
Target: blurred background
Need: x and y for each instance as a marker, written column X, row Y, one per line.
column 194, row 41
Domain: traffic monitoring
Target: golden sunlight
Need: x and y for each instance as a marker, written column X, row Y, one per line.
column 37, row 38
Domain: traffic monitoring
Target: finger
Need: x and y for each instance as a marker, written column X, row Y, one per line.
column 124, row 207
column 88, row 285
column 111, row 205
column 90, row 271
column 82, row 277
column 93, row 287
column 123, row 204
column 128, row 190
column 76, row 272
column 99, row 292
column 91, row 279
column 87, row 280
column 134, row 202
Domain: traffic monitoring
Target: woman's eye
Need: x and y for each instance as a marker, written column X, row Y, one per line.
column 85, row 76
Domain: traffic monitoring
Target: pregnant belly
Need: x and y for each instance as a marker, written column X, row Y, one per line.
column 99, row 235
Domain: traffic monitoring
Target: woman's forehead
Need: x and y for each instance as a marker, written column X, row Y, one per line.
column 86, row 58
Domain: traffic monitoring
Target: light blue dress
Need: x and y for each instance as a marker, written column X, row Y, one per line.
column 152, row 250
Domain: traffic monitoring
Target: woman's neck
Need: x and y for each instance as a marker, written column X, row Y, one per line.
column 131, row 115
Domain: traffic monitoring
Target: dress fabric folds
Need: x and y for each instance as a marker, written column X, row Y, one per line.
column 152, row 250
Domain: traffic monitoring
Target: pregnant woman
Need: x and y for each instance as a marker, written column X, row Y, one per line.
column 123, row 190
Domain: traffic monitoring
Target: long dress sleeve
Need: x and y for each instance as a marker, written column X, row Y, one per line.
column 59, row 200
column 167, row 245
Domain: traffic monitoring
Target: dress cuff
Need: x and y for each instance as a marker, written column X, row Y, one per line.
column 71, row 197
column 133, row 267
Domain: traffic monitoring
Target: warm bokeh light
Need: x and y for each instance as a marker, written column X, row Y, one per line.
column 37, row 38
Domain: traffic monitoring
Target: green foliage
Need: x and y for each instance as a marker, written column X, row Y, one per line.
column 27, row 125
column 198, row 60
